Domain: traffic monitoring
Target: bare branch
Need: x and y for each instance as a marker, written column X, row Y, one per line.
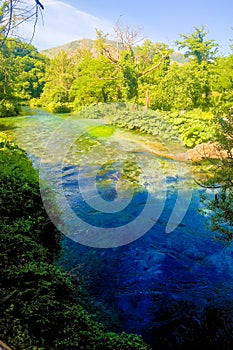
column 155, row 66
column 39, row 4
column 126, row 37
column 109, row 55
column 16, row 12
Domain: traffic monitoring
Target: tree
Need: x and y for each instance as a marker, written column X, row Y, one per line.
column 197, row 47
column 183, row 87
column 14, row 12
column 222, row 178
column 148, row 56
column 59, row 78
column 96, row 80
column 114, row 71
column 126, row 37
column 132, row 64
column 8, row 105
column 221, row 83
column 22, row 75
column 29, row 67
column 202, row 55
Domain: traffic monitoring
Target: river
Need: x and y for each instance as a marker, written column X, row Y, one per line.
column 134, row 237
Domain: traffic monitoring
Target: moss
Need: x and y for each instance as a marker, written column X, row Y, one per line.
column 101, row 131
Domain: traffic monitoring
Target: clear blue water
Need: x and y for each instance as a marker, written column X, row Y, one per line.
column 158, row 278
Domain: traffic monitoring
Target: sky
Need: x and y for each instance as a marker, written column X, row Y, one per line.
column 160, row 21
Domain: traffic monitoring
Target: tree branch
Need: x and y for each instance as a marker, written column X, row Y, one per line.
column 15, row 12
column 109, row 56
column 107, row 78
column 147, row 71
column 205, row 186
column 39, row 4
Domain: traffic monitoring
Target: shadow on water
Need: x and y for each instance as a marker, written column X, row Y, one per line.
column 173, row 289
column 6, row 127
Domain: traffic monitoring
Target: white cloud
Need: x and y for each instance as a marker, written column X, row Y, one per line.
column 63, row 23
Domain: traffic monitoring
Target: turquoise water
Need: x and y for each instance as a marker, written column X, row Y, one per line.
column 142, row 282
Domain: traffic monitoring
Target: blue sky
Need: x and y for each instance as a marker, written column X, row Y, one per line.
column 163, row 20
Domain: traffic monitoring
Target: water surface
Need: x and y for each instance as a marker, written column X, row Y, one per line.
column 158, row 278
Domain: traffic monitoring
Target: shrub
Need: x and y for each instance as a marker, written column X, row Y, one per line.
column 58, row 107
column 8, row 108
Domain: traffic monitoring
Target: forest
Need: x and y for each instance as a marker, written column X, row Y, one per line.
column 195, row 99
column 190, row 94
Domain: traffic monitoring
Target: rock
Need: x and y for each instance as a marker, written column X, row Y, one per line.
column 206, row 150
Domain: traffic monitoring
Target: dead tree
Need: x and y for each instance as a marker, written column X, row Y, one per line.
column 126, row 37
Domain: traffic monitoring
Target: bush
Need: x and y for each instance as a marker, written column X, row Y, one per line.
column 194, row 127
column 35, row 102
column 191, row 128
column 8, row 108
column 59, row 107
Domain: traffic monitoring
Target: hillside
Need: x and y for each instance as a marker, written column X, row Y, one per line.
column 72, row 46
column 89, row 44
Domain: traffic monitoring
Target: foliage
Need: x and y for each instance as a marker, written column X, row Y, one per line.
column 8, row 108
column 20, row 195
column 22, row 75
column 39, row 304
column 221, row 84
column 184, row 87
column 190, row 128
column 198, row 48
column 132, row 117
column 59, row 77
column 144, row 75
column 109, row 74
column 194, row 127
column 221, row 206
column 95, row 82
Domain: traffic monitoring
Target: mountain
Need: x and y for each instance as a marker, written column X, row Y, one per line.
column 72, row 46
column 89, row 44
column 69, row 47
column 178, row 57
